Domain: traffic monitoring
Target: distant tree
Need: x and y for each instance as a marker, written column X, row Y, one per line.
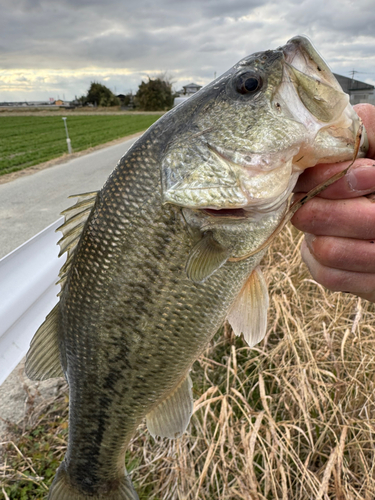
column 82, row 100
column 100, row 95
column 154, row 95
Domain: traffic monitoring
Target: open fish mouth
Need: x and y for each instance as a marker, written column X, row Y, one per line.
column 300, row 53
column 233, row 213
column 314, row 82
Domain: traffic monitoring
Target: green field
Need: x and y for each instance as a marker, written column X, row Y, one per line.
column 30, row 140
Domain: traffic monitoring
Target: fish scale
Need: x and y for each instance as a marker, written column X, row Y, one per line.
column 161, row 261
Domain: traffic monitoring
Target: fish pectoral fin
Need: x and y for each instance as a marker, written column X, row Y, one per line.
column 248, row 314
column 43, row 357
column 206, row 257
column 172, row 416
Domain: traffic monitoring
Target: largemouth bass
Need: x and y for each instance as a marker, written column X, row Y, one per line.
column 167, row 250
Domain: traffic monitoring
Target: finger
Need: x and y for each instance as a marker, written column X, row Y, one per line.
column 343, row 253
column 361, row 284
column 359, row 180
column 352, row 218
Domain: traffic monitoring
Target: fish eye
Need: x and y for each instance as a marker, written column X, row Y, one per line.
column 248, row 83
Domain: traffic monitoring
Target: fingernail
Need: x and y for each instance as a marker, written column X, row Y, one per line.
column 361, row 178
column 310, row 238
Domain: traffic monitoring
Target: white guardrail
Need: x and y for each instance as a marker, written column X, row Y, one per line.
column 27, row 293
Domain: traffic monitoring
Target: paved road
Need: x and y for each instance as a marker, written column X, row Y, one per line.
column 29, row 204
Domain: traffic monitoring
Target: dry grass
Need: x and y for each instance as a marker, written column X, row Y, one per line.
column 292, row 419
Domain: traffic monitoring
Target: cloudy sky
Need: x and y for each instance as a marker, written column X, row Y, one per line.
column 51, row 48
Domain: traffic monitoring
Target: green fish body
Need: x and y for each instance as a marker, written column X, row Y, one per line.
column 157, row 259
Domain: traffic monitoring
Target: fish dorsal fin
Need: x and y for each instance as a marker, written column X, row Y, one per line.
column 248, row 314
column 43, row 357
column 206, row 257
column 172, row 416
column 75, row 220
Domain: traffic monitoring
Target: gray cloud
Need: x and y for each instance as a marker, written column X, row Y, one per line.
column 191, row 40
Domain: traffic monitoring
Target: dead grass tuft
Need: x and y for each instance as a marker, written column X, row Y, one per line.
column 291, row 419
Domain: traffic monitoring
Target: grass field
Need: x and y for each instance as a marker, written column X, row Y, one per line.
column 30, row 140
column 291, row 419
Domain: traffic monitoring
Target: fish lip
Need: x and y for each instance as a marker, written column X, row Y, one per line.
column 299, row 45
column 300, row 53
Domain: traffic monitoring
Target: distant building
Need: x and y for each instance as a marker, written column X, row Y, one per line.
column 126, row 101
column 189, row 89
column 357, row 91
column 186, row 92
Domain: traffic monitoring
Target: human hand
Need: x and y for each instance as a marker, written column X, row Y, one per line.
column 339, row 245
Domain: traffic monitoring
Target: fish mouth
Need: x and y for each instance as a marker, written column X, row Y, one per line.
column 300, row 53
column 315, row 84
column 231, row 213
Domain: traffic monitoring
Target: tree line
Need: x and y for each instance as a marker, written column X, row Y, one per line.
column 154, row 95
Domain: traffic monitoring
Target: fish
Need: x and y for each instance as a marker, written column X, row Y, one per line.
column 170, row 248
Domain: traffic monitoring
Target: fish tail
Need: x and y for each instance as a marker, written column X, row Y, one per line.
column 62, row 489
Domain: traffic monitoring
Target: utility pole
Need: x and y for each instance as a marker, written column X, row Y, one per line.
column 353, row 72
column 350, row 88
column 67, row 136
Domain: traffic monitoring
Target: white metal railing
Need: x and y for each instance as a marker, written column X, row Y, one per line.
column 27, row 293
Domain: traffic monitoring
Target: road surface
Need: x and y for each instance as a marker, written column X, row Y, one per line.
column 30, row 203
